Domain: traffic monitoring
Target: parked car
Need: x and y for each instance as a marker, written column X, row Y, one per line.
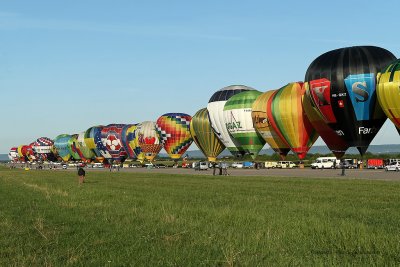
column 348, row 164
column 237, row 165
column 159, row 165
column 64, row 166
column 395, row 166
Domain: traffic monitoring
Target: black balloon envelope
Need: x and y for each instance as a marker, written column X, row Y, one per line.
column 342, row 85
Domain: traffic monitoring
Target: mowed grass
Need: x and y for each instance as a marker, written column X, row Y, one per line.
column 148, row 219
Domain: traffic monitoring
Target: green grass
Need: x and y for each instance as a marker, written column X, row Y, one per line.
column 120, row 219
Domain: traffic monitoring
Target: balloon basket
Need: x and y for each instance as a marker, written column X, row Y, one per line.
column 301, row 166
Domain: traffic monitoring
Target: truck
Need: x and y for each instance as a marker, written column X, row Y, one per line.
column 325, row 163
column 375, row 164
column 248, row 164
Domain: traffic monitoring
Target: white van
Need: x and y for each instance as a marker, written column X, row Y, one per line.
column 200, row 165
column 203, row 165
column 270, row 164
column 285, row 164
column 325, row 163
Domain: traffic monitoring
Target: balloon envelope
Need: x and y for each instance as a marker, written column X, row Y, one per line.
column 204, row 137
column 239, row 123
column 174, row 132
column 342, row 87
column 43, row 148
column 111, row 137
column 25, row 153
column 263, row 126
column 61, row 143
column 215, row 109
column 84, row 151
column 388, row 92
column 13, row 154
column 72, row 147
column 130, row 142
column 287, row 117
column 93, row 141
column 337, row 145
column 149, row 140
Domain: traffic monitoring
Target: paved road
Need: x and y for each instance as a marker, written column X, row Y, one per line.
column 304, row 173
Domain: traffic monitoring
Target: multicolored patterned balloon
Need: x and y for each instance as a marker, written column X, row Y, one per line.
column 13, row 154
column 43, row 148
column 148, row 139
column 337, row 145
column 61, row 144
column 286, row 115
column 130, row 142
column 342, row 86
column 84, row 151
column 111, row 137
column 174, row 132
column 263, row 126
column 72, row 147
column 93, row 141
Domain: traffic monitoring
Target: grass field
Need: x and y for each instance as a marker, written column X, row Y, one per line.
column 120, row 219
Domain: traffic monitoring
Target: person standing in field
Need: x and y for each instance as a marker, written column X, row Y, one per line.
column 81, row 174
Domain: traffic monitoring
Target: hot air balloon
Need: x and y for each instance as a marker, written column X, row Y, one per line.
column 174, row 132
column 25, row 153
column 342, row 87
column 239, row 123
column 337, row 145
column 111, row 136
column 93, row 141
column 287, row 117
column 84, row 151
column 148, row 139
column 72, row 143
column 388, row 92
column 204, row 136
column 43, row 148
column 34, row 156
column 130, row 141
column 263, row 126
column 13, row 154
column 61, row 145
column 215, row 109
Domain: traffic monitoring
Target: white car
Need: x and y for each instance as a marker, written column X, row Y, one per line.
column 237, row 165
column 395, row 166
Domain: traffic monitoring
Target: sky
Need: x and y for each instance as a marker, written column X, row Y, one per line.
column 69, row 65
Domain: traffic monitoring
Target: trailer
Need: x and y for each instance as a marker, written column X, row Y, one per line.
column 375, row 164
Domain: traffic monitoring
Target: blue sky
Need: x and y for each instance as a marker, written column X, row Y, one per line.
column 68, row 65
